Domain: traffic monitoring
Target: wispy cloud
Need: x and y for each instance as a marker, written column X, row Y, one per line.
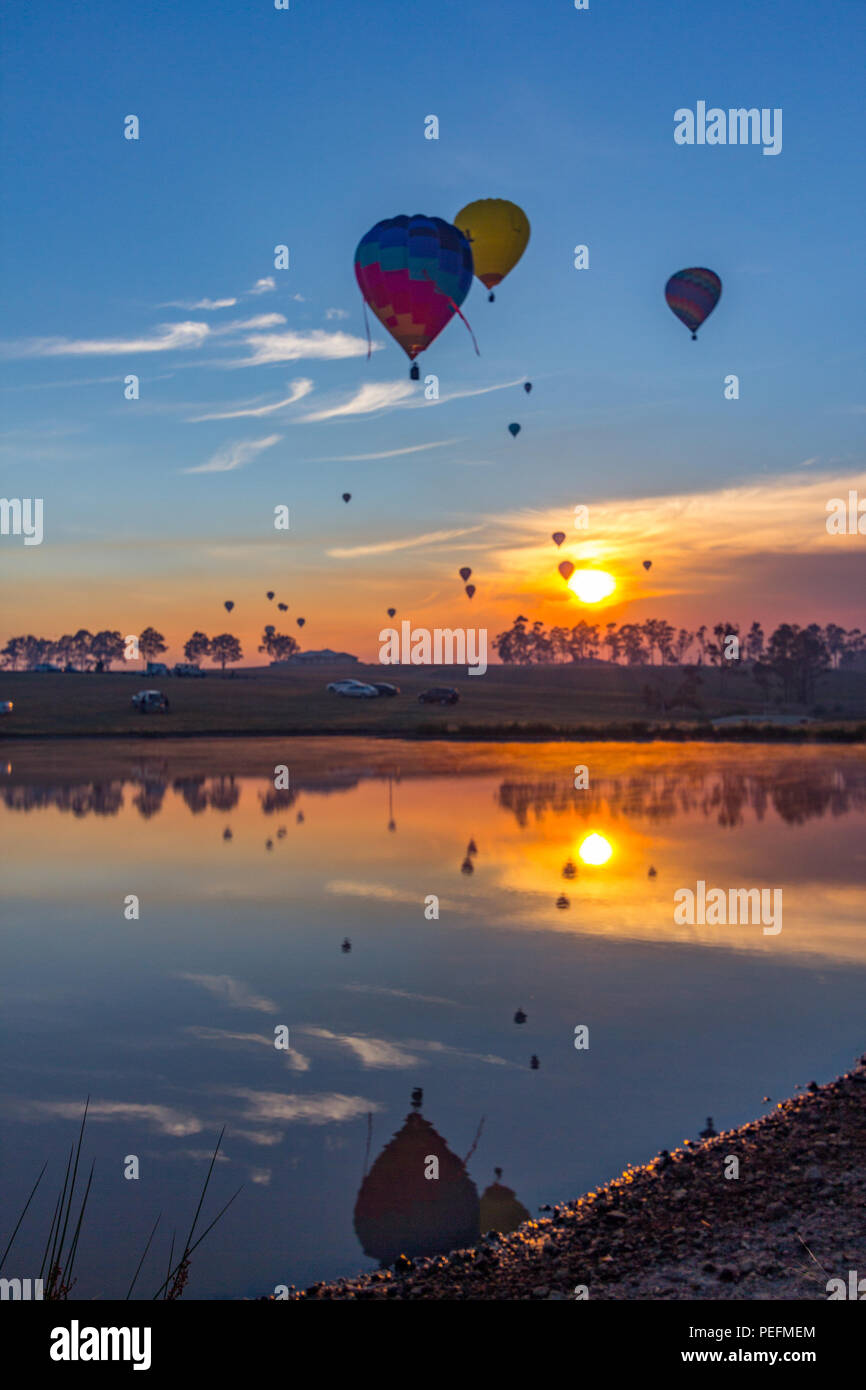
column 298, row 389
column 159, row 1117
column 376, row 1053
column 233, row 456
column 389, row 453
column 258, row 321
column 408, row 543
column 167, row 338
column 295, row 1061
column 292, row 346
column 233, row 992
column 336, row 313
column 378, row 395
column 199, row 304
column 262, row 286
column 270, row 1106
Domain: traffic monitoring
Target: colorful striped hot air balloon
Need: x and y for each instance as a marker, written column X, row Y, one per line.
column 498, row 232
column 693, row 295
column 414, row 272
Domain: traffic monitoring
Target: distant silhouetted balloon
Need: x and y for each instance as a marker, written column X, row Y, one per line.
column 391, row 612
column 562, row 901
column 520, row 1016
column 527, row 386
column 464, row 573
column 346, row 946
column 693, row 295
column 467, row 867
column 270, row 593
column 534, row 1062
column 300, row 621
column 283, row 607
column 229, row 605
column 566, row 569
column 347, row 496
column 470, row 590
column 558, row 537
column 647, row 564
column 514, row 430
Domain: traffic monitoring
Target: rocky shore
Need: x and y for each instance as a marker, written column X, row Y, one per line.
column 678, row 1227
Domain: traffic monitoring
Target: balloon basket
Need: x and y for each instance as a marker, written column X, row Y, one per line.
column 414, row 372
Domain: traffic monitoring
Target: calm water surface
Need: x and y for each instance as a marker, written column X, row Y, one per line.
column 246, row 897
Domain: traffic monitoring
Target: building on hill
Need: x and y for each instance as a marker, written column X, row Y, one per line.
column 323, row 658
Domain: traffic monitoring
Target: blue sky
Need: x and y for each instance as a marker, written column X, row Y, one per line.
column 305, row 127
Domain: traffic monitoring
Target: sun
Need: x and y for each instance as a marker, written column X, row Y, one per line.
column 595, row 849
column 591, row 586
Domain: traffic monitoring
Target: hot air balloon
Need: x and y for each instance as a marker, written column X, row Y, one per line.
column 300, row 621
column 647, row 564
column 391, row 612
column 283, row 607
column 514, row 430
column 470, row 590
column 527, row 386
column 566, row 569
column 270, row 593
column 464, row 573
column 498, row 232
column 228, row 605
column 520, row 1016
column 558, row 537
column 500, row 1208
column 399, row 1212
column 347, row 496
column 414, row 272
column 693, row 295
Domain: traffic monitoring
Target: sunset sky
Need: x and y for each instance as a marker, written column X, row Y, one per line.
column 305, row 127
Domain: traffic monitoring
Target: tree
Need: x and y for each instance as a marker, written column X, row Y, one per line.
column 755, row 642
column 612, row 641
column 13, row 652
column 151, row 644
column 278, row 645
column 834, row 638
column 106, row 647
column 197, row 647
column 683, row 641
column 225, row 648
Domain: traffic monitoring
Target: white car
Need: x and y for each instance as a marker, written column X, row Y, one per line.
column 357, row 690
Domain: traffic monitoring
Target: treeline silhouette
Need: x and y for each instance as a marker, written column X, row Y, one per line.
column 95, row 651
column 792, row 656
column 796, row 791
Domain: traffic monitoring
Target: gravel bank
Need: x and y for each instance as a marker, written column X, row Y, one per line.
column 677, row 1228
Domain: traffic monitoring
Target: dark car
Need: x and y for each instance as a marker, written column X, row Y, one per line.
column 384, row 688
column 439, row 695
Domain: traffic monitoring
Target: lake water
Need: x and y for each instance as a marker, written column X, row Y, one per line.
column 246, row 894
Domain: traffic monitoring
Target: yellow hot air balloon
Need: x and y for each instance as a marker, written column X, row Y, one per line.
column 498, row 232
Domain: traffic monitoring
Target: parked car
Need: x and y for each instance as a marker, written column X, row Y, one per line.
column 385, row 688
column 46, row 666
column 150, row 702
column 6, row 706
column 188, row 668
column 156, row 668
column 356, row 690
column 439, row 695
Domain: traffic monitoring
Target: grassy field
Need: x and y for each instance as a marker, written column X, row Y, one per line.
column 551, row 701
